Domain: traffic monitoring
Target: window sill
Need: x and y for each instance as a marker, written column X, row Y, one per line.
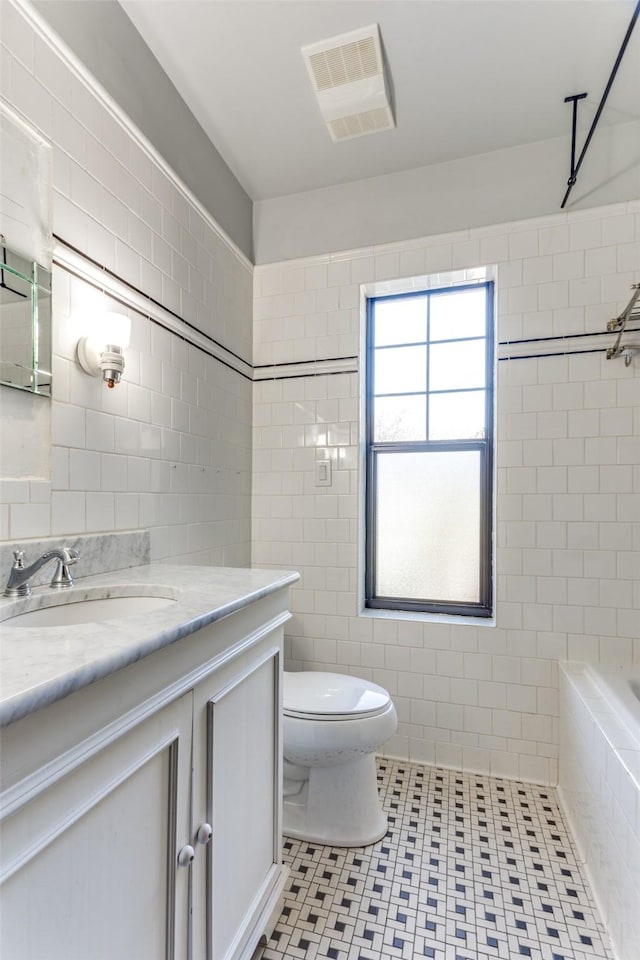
column 369, row 613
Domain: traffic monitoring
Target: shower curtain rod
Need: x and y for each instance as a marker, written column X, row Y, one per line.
column 575, row 167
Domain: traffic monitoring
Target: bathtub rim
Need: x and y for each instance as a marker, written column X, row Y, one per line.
column 603, row 711
column 612, row 683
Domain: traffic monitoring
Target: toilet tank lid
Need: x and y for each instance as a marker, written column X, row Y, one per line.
column 332, row 694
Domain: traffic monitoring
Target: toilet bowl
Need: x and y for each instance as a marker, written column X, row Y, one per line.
column 332, row 726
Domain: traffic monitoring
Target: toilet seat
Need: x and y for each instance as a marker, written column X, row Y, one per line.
column 313, row 695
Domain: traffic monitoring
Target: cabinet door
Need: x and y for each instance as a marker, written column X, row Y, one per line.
column 89, row 862
column 244, row 875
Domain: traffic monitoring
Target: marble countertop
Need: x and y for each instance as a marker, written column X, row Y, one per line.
column 41, row 665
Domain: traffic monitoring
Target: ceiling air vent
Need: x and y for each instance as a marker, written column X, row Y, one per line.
column 347, row 73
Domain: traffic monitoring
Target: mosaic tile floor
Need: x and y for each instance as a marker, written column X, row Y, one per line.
column 472, row 868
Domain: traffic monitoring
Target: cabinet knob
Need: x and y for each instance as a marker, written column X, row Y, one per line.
column 186, row 855
column 204, row 833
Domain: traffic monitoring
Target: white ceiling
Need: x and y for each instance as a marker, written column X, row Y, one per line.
column 467, row 77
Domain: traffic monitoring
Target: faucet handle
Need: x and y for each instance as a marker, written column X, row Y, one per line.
column 62, row 576
column 18, row 559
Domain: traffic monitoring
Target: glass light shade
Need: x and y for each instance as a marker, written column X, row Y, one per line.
column 112, row 328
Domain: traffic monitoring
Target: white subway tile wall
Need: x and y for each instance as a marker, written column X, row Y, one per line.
column 170, row 447
column 483, row 698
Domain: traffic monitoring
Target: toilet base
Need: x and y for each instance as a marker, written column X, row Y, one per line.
column 337, row 805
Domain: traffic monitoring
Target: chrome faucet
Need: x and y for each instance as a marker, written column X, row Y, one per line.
column 18, row 583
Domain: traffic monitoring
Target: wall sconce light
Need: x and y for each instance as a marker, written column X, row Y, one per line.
column 102, row 352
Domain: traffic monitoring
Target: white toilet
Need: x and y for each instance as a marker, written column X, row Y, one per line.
column 332, row 726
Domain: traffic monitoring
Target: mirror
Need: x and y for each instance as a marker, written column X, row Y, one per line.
column 25, row 256
column 25, row 323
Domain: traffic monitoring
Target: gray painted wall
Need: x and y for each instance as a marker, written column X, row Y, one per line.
column 511, row 184
column 103, row 37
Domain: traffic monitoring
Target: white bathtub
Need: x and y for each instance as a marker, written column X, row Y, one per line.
column 600, row 789
column 620, row 687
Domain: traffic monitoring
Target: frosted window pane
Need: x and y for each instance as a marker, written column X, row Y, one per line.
column 456, row 366
column 400, row 321
column 457, row 416
column 428, row 526
column 458, row 314
column 400, row 370
column 400, row 418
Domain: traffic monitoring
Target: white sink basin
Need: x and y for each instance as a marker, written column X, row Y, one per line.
column 90, row 610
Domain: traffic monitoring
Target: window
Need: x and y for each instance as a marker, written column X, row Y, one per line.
column 429, row 451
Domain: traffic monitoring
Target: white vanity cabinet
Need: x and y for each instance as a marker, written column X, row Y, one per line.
column 141, row 814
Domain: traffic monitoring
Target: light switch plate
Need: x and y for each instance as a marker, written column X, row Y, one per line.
column 323, row 473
